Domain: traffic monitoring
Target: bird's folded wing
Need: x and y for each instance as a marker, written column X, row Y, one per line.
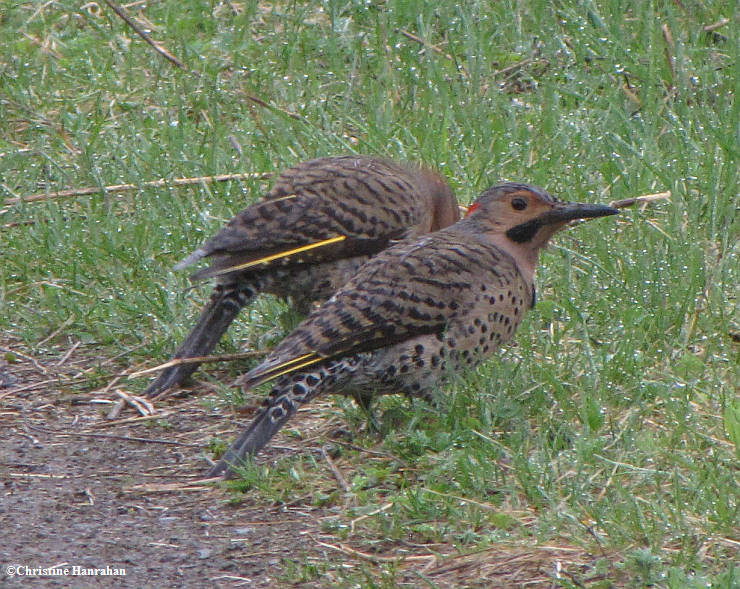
column 277, row 232
column 411, row 289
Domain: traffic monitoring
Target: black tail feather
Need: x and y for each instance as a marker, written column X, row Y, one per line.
column 287, row 395
column 214, row 320
column 251, row 441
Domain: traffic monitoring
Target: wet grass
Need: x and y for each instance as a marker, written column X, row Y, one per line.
column 613, row 424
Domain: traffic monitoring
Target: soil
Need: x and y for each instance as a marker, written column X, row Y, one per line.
column 84, row 487
column 80, row 489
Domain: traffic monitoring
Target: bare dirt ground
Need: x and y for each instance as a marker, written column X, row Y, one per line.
column 80, row 488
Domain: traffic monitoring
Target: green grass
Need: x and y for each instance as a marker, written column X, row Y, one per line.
column 613, row 424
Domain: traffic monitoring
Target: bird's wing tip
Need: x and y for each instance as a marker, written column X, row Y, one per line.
column 191, row 259
column 272, row 369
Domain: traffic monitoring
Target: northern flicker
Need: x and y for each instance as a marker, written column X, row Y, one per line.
column 312, row 231
column 414, row 313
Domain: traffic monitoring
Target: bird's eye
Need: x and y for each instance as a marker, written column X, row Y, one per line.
column 519, row 204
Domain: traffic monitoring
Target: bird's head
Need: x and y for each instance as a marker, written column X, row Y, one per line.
column 521, row 219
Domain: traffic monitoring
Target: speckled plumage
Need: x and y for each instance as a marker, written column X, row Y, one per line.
column 310, row 234
column 415, row 313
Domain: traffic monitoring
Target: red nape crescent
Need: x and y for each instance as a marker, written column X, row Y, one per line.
column 472, row 208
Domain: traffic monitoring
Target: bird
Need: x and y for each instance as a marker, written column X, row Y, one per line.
column 312, row 231
column 414, row 314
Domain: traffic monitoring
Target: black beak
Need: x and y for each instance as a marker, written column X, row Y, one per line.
column 562, row 212
column 568, row 211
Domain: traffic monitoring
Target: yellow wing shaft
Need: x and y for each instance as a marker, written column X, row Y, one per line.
column 287, row 367
column 283, row 254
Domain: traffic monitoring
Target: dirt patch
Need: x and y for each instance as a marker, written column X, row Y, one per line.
column 80, row 488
